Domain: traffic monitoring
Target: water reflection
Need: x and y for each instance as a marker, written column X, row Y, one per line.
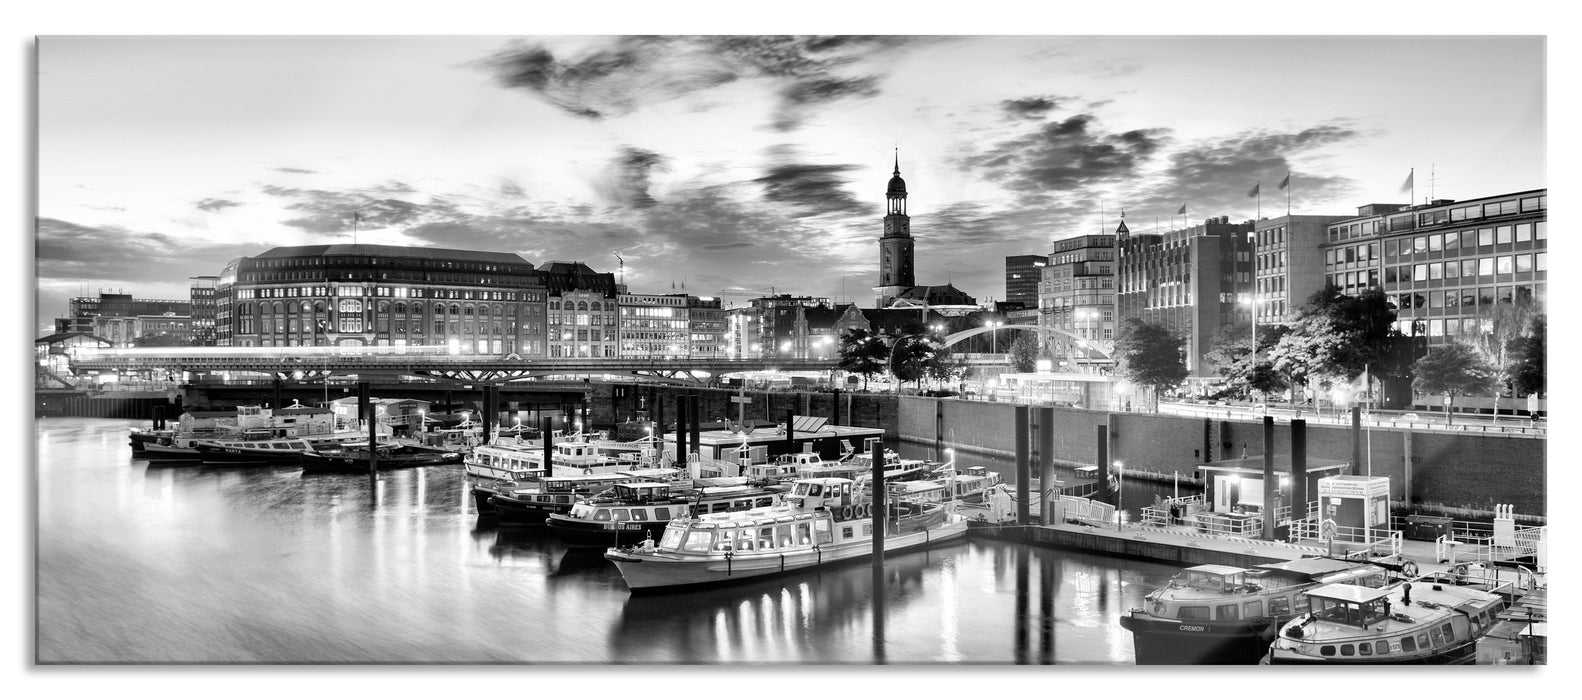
column 194, row 564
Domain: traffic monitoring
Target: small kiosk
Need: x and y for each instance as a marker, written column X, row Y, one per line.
column 1233, row 493
column 1354, row 508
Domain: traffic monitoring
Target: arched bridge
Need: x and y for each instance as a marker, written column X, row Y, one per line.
column 1102, row 347
column 314, row 362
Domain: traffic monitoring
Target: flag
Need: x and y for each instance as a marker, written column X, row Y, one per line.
column 1183, row 209
column 1406, row 187
column 1254, row 191
column 1286, row 182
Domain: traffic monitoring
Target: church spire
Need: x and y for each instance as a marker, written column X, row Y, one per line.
column 897, row 172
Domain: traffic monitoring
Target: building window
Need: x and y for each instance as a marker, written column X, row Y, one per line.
column 350, row 315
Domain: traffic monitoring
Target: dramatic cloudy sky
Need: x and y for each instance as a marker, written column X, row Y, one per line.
column 751, row 162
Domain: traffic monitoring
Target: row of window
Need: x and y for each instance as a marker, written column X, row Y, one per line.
column 1479, row 267
column 1469, row 239
column 1438, row 636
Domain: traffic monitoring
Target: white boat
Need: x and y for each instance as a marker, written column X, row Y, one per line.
column 247, row 424
column 1413, row 622
column 518, row 460
column 823, row 521
column 1217, row 614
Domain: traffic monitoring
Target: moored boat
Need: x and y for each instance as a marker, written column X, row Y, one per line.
column 1214, row 614
column 354, row 457
column 633, row 511
column 266, row 451
column 821, row 522
column 1412, row 622
column 529, row 503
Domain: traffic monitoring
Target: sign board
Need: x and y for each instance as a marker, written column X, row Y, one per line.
column 1354, row 486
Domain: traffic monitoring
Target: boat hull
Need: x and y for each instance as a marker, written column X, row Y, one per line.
column 1466, row 653
column 656, row 573
column 1199, row 642
column 594, row 534
column 165, row 454
column 330, row 463
column 238, row 456
column 515, row 512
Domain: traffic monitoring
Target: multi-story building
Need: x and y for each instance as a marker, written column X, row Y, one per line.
column 655, row 325
column 581, row 317
column 1189, row 280
column 1077, row 292
column 126, row 321
column 1447, row 265
column 741, row 338
column 202, row 293
column 1290, row 264
column 1022, row 278
column 470, row 301
column 709, row 327
column 773, row 330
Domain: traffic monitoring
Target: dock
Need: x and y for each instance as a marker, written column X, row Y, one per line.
column 807, row 434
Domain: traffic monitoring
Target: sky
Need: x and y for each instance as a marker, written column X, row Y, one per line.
column 754, row 163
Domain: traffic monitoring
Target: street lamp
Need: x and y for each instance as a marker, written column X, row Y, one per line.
column 891, row 363
column 994, row 336
column 1120, row 493
column 1252, row 363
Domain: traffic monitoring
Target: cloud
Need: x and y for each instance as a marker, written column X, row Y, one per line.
column 296, row 171
column 1067, row 155
column 212, row 204
column 628, row 177
column 331, row 212
column 636, row 71
column 810, row 189
column 1215, row 175
column 1030, row 107
column 64, row 249
column 508, row 188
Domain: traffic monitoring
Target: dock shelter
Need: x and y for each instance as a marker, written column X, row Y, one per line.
column 1233, row 488
column 808, row 433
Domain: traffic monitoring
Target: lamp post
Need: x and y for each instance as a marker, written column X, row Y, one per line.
column 994, row 336
column 891, row 363
column 1120, row 493
column 1252, row 363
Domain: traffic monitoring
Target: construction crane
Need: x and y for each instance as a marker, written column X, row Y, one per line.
column 623, row 265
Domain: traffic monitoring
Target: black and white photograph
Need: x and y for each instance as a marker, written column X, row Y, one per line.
column 1042, row 347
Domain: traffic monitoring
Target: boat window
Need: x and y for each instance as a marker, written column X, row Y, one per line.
column 601, row 514
column 1408, row 644
column 698, row 540
column 804, row 537
column 1365, row 649
column 1422, row 639
column 744, row 540
column 1450, row 632
column 1253, row 609
column 1347, row 650
column 845, row 532
column 1278, row 605
column 1436, row 636
column 1301, row 604
column 783, row 533
column 766, row 538
column 639, row 514
column 1225, row 612
column 1381, row 647
column 562, row 499
column 815, row 490
column 661, row 513
column 821, row 532
column 867, row 529
column 1327, row 650
column 1193, row 612
column 762, row 502
column 620, row 515
column 720, row 507
column 726, row 541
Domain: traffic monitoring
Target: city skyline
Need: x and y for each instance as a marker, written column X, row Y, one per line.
column 753, row 162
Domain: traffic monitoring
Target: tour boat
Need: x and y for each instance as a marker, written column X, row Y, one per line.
column 353, row 457
column 138, row 437
column 637, row 510
column 966, row 487
column 514, row 503
column 517, row 460
column 1412, row 622
column 259, row 450
column 821, row 522
column 1214, row 614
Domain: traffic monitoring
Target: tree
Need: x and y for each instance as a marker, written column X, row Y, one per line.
column 1502, row 328
column 1231, row 354
column 1453, row 369
column 1149, row 355
column 1527, row 358
column 945, row 365
column 910, row 355
column 862, row 352
column 1336, row 337
column 1024, row 352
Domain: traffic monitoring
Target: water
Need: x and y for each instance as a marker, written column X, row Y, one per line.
column 193, row 564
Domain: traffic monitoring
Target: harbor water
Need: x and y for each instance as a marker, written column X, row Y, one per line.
column 200, row 564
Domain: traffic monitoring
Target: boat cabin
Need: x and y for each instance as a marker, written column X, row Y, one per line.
column 809, row 494
column 642, row 491
column 1215, row 578
column 1345, row 604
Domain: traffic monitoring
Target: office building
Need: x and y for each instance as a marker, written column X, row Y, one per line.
column 1290, row 264
column 1189, row 280
column 1077, row 295
column 1022, row 276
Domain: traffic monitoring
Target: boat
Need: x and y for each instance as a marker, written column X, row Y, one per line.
column 259, row 450
column 517, row 459
column 1215, row 614
column 519, row 503
column 246, row 424
column 1410, row 622
column 821, row 522
column 636, row 510
column 138, row 437
column 969, row 486
column 353, row 457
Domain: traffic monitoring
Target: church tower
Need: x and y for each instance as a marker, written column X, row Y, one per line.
column 895, row 246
